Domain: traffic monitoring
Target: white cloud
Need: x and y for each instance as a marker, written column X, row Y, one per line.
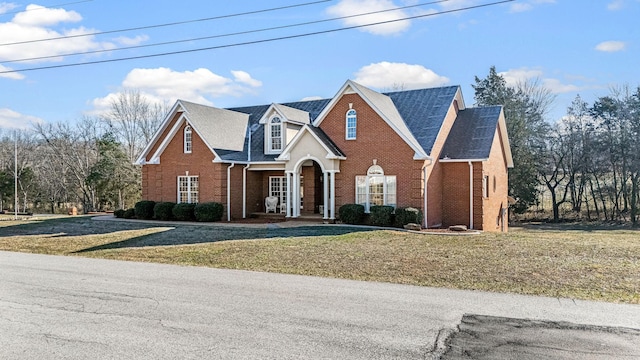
column 14, row 120
column 128, row 41
column 354, row 7
column 528, row 5
column 36, row 15
column 12, row 75
column 244, row 78
column 6, row 7
column 615, row 5
column 311, row 98
column 513, row 77
column 38, row 22
column 611, row 46
column 161, row 85
column 389, row 75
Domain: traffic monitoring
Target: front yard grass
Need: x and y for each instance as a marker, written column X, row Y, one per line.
column 585, row 264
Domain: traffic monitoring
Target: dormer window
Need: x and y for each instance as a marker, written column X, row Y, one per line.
column 275, row 135
column 351, row 122
column 187, row 139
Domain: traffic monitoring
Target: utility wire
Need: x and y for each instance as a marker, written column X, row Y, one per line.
column 256, row 41
column 44, row 7
column 168, row 24
column 222, row 35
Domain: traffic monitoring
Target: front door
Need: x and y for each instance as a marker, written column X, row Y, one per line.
column 278, row 188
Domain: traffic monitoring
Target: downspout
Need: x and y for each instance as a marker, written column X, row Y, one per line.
column 244, row 191
column 470, row 195
column 229, row 191
column 425, row 221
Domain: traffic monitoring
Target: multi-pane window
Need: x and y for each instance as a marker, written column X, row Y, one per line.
column 375, row 188
column 187, row 189
column 275, row 134
column 187, row 139
column 351, row 125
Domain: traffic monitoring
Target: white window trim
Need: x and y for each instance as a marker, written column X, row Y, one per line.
column 188, row 144
column 375, row 171
column 346, row 125
column 189, row 192
column 268, row 139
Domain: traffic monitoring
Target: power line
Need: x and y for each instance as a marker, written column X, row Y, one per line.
column 167, row 24
column 223, row 35
column 45, row 7
column 255, row 41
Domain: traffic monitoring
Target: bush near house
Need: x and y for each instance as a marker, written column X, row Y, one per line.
column 408, row 215
column 210, row 211
column 144, row 209
column 163, row 210
column 129, row 214
column 381, row 215
column 351, row 213
column 184, row 212
column 119, row 213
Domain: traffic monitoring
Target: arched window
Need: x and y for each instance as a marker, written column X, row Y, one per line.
column 275, row 134
column 351, row 123
column 187, row 139
column 376, row 188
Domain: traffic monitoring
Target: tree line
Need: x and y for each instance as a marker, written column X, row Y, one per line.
column 588, row 161
column 586, row 164
column 88, row 163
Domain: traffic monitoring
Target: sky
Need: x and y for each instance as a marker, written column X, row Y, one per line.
column 571, row 47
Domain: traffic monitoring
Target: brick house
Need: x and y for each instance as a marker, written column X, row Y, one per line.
column 360, row 146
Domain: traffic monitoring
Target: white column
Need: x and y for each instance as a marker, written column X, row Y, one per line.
column 295, row 191
column 325, row 184
column 288, row 193
column 332, row 215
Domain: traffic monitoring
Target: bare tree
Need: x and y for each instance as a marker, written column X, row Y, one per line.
column 134, row 120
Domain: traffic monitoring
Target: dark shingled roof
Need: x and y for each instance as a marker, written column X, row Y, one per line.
column 257, row 137
column 424, row 111
column 327, row 141
column 472, row 134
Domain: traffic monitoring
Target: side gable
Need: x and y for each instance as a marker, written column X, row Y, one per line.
column 384, row 107
column 472, row 135
column 221, row 127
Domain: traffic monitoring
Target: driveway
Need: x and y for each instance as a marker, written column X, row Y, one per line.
column 54, row 307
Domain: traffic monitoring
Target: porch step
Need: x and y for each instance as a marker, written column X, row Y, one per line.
column 281, row 217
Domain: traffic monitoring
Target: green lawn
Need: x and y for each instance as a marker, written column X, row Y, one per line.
column 582, row 263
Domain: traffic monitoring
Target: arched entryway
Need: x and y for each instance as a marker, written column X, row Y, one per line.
column 311, row 188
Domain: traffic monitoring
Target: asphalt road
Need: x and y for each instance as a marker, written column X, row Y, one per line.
column 54, row 307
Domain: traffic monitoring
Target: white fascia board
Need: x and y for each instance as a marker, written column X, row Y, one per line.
column 458, row 96
column 167, row 119
column 332, row 103
column 462, row 160
column 504, row 138
column 265, row 117
column 204, row 140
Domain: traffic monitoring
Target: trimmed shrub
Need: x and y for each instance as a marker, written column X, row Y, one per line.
column 129, row 214
column 381, row 215
column 144, row 209
column 408, row 215
column 351, row 213
column 163, row 210
column 119, row 213
column 184, row 212
column 210, row 211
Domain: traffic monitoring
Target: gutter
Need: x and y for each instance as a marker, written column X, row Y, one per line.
column 229, row 191
column 470, row 195
column 425, row 212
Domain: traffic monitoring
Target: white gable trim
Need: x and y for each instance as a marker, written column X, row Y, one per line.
column 351, row 87
column 177, row 107
column 276, row 108
column 504, row 139
column 286, row 152
column 155, row 159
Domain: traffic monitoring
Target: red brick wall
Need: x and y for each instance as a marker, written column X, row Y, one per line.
column 455, row 194
column 496, row 169
column 160, row 181
column 375, row 139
